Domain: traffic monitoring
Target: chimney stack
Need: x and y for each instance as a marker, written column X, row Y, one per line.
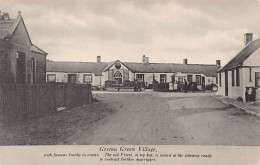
column 145, row 60
column 218, row 62
column 185, row 61
column 248, row 37
column 98, row 59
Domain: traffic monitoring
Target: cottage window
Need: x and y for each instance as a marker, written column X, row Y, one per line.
column 257, row 79
column 162, row 78
column 189, row 78
column 87, row 78
column 198, row 79
column 33, row 70
column 219, row 79
column 233, row 78
column 140, row 77
column 51, row 78
column 118, row 77
column 180, row 79
column 237, row 77
column 250, row 74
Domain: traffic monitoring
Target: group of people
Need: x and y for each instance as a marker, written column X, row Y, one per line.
column 182, row 86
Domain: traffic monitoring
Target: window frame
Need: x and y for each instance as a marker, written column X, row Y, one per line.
column 84, row 78
column 189, row 76
column 220, row 83
column 237, row 77
column 164, row 77
column 199, row 79
column 138, row 77
column 115, row 78
column 256, row 78
column 233, row 77
column 48, row 75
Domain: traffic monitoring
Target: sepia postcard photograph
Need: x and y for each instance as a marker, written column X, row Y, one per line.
column 130, row 81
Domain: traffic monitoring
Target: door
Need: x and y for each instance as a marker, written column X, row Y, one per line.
column 203, row 80
column 72, row 78
column 20, row 68
column 189, row 78
column 226, row 83
column 173, row 79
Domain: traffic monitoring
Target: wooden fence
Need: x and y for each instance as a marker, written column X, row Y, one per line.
column 20, row 102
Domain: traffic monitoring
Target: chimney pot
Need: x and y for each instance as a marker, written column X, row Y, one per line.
column 185, row 61
column 98, row 59
column 218, row 62
column 248, row 37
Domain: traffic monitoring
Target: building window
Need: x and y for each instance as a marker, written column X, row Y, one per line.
column 233, row 77
column 51, row 78
column 237, row 77
column 33, row 66
column 140, row 77
column 180, row 79
column 189, row 77
column 250, row 74
column 118, row 77
column 219, row 79
column 162, row 78
column 257, row 79
column 198, row 79
column 87, row 78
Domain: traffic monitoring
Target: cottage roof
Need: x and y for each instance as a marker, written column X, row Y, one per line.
column 7, row 27
column 76, row 67
column 97, row 68
column 238, row 60
column 207, row 70
column 37, row 50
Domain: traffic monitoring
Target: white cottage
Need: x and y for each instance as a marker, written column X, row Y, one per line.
column 96, row 73
column 242, row 71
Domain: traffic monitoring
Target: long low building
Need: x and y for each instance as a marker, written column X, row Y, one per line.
column 96, row 73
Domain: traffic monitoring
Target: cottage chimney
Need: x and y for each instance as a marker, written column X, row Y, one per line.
column 98, row 59
column 185, row 61
column 19, row 14
column 248, row 37
column 218, row 62
column 5, row 16
column 145, row 60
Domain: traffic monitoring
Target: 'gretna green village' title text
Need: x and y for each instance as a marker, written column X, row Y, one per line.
column 140, row 148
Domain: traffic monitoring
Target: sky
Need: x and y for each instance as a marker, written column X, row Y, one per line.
column 166, row 31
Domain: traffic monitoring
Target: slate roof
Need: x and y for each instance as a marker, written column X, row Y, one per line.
column 76, row 67
column 238, row 60
column 97, row 68
column 207, row 70
column 8, row 27
column 37, row 50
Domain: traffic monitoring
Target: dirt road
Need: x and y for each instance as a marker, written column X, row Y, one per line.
column 140, row 118
column 171, row 118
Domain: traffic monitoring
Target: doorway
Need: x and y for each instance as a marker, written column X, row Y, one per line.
column 72, row 78
column 226, row 83
column 20, row 68
column 203, row 80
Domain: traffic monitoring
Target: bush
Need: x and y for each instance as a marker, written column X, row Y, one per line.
column 239, row 99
